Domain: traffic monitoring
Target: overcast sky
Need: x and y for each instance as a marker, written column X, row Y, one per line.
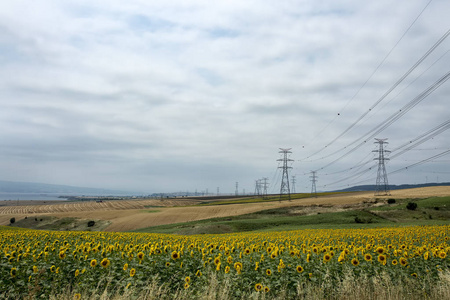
column 162, row 96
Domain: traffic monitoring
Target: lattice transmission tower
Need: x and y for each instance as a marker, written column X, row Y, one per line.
column 264, row 185
column 382, row 186
column 284, row 189
column 258, row 187
column 293, row 181
column 313, row 183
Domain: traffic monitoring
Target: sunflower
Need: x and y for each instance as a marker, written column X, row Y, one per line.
column 247, row 251
column 380, row 250
column 35, row 269
column 13, row 272
column 442, row 254
column 238, row 266
column 403, row 261
column 268, row 272
column 299, row 269
column 227, row 269
column 187, row 279
column 326, row 257
column 382, row 259
column 266, row 289
column 175, row 255
column 229, row 259
column 125, row 267
column 368, row 257
column 355, row 261
column 414, row 275
column 141, row 255
column 258, row 287
column 77, row 296
column 167, row 264
column 62, row 255
column 93, row 263
column 217, row 260
column 186, row 286
column 132, row 272
column 105, row 263
column 426, row 255
column 77, row 272
column 198, row 273
column 394, row 262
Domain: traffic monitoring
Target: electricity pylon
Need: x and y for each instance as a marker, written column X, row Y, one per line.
column 236, row 192
column 284, row 189
column 293, row 184
column 382, row 187
column 258, row 187
column 313, row 183
column 264, row 183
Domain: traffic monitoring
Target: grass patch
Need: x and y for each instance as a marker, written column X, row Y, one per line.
column 150, row 211
column 430, row 211
column 270, row 220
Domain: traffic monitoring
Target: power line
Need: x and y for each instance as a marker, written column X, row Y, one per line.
column 441, row 39
column 393, row 118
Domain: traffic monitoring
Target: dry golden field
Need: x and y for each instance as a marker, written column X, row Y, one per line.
column 134, row 214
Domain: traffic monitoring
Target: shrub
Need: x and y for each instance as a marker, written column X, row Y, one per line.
column 411, row 206
column 391, row 201
column 12, row 220
column 91, row 223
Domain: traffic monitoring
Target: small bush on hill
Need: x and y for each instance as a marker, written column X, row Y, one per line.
column 411, row 206
column 391, row 201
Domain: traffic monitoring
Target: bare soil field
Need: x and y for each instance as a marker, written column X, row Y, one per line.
column 135, row 214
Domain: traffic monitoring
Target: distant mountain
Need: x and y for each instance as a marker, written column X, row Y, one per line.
column 43, row 188
column 361, row 188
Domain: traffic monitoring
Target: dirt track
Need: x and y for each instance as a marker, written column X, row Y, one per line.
column 129, row 215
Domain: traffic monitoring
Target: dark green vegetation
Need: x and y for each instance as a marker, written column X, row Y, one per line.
column 430, row 211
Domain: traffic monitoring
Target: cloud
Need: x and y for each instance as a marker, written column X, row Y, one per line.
column 182, row 94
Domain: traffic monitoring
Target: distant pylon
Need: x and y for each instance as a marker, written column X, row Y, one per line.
column 382, row 187
column 236, row 192
column 284, row 189
column 293, row 184
column 313, row 183
column 258, row 187
column 264, row 183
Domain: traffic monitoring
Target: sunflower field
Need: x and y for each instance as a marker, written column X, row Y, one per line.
column 35, row 264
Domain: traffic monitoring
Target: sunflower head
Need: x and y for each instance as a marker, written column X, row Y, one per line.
column 13, row 272
column 258, row 287
column 132, row 272
column 355, row 261
column 93, row 263
column 299, row 269
column 175, row 255
column 105, row 263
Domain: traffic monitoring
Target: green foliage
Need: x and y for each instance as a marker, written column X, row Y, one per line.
column 411, row 206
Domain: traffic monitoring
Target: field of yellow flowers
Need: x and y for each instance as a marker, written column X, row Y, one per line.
column 35, row 264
